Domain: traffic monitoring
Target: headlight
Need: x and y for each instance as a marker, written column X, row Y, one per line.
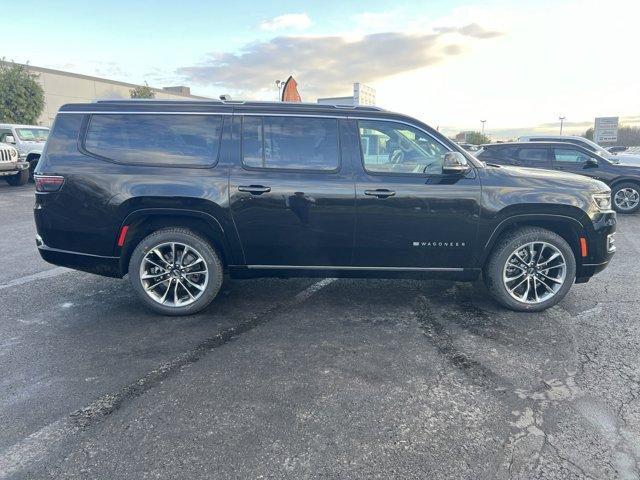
column 14, row 153
column 602, row 201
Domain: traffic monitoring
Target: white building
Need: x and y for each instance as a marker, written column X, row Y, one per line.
column 362, row 95
column 66, row 87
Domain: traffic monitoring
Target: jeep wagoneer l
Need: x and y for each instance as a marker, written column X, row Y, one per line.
column 177, row 194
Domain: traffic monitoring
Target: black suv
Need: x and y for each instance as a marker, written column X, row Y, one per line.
column 624, row 180
column 178, row 193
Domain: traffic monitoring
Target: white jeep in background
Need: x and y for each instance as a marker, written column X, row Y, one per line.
column 29, row 140
column 14, row 170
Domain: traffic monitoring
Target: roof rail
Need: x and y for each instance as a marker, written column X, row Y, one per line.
column 243, row 102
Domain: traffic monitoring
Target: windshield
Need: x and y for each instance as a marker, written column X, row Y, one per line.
column 598, row 149
column 33, row 134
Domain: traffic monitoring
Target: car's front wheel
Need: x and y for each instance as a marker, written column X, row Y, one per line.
column 19, row 179
column 626, row 197
column 531, row 269
column 175, row 272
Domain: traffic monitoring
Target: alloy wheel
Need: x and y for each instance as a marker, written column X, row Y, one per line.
column 534, row 272
column 626, row 198
column 174, row 274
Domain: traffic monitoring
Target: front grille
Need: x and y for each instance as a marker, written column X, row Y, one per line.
column 5, row 155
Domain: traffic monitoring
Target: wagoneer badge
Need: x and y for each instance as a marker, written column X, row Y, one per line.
column 439, row 244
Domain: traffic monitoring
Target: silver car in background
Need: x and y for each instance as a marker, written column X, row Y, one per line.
column 29, row 140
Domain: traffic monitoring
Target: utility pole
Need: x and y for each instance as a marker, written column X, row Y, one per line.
column 561, row 122
column 483, row 122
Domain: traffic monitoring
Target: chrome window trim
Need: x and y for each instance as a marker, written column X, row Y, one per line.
column 272, row 114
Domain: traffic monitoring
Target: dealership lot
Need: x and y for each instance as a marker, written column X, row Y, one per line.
column 313, row 378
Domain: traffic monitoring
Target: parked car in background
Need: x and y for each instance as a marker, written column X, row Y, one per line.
column 469, row 147
column 14, row 170
column 616, row 149
column 29, row 140
column 175, row 194
column 623, row 179
column 633, row 159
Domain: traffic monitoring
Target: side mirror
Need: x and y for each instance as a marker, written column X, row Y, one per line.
column 591, row 163
column 9, row 139
column 454, row 163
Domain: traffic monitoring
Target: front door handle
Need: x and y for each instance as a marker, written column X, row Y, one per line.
column 254, row 189
column 380, row 193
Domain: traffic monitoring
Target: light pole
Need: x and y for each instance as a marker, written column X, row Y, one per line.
column 561, row 122
column 483, row 122
column 278, row 87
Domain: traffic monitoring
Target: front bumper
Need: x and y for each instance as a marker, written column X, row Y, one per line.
column 601, row 247
column 11, row 168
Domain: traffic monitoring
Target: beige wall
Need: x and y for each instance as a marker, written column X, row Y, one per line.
column 61, row 88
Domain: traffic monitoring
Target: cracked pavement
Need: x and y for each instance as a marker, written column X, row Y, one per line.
column 314, row 379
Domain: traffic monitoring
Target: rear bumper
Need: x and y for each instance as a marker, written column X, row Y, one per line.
column 100, row 265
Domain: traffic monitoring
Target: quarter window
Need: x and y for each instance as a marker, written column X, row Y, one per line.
column 291, row 143
column 391, row 147
column 149, row 139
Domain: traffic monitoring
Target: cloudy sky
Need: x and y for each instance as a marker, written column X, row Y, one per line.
column 517, row 64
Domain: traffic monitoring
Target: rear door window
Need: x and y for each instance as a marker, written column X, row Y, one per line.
column 152, row 139
column 534, row 157
column 290, row 143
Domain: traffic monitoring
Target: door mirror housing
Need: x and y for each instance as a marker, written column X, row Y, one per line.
column 591, row 163
column 454, row 163
column 9, row 139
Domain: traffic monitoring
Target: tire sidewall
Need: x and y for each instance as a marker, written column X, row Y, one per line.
column 493, row 275
column 619, row 187
column 209, row 255
column 19, row 179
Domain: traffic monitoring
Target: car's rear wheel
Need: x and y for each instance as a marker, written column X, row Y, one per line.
column 20, row 178
column 626, row 197
column 531, row 269
column 175, row 272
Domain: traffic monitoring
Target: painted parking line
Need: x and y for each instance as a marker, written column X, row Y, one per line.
column 54, row 272
column 36, row 446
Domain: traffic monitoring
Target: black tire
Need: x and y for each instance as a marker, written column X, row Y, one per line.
column 629, row 187
column 189, row 238
column 509, row 243
column 19, row 179
column 33, row 163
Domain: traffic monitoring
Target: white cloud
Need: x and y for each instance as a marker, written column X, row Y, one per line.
column 328, row 65
column 294, row 21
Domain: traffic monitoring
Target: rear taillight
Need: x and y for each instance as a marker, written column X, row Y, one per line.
column 48, row 183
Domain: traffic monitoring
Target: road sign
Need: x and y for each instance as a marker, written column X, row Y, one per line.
column 606, row 129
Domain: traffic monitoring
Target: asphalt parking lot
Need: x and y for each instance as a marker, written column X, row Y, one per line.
column 313, row 378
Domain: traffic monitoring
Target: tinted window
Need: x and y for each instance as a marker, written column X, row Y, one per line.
column 392, row 147
column 570, row 155
column 293, row 143
column 534, row 157
column 155, row 139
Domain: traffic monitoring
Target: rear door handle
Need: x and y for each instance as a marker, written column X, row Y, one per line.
column 254, row 189
column 380, row 193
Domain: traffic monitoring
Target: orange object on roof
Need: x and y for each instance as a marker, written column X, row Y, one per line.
column 290, row 91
